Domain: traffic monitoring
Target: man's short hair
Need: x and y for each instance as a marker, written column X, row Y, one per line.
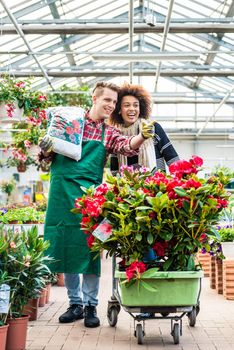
column 101, row 85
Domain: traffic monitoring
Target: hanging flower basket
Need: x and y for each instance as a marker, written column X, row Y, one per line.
column 10, row 112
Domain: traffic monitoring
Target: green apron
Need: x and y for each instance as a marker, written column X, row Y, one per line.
column 68, row 243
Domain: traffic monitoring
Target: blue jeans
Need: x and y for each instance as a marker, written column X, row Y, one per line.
column 85, row 294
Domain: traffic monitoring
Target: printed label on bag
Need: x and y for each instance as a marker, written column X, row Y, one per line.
column 104, row 230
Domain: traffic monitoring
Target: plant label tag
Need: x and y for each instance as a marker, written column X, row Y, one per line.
column 104, row 230
column 4, row 298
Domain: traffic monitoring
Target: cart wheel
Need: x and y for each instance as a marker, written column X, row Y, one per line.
column 176, row 333
column 192, row 315
column 198, row 308
column 139, row 333
column 112, row 316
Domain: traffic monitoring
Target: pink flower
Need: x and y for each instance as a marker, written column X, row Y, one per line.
column 20, row 84
column 12, row 245
column 69, row 130
column 27, row 143
column 42, row 98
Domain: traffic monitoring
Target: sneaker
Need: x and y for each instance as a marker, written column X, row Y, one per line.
column 90, row 316
column 74, row 312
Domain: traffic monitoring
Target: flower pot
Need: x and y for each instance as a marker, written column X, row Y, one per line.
column 21, row 167
column 17, row 333
column 31, row 309
column 212, row 272
column 172, row 288
column 16, row 114
column 42, row 298
column 3, row 336
column 48, row 289
column 219, row 275
column 228, row 279
column 228, row 250
column 60, row 279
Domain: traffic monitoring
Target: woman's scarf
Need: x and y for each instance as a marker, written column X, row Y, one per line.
column 146, row 156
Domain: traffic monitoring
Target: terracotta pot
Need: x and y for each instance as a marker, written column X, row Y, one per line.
column 17, row 333
column 3, row 336
column 48, row 288
column 219, row 275
column 60, row 279
column 21, row 167
column 228, row 250
column 42, row 299
column 31, row 309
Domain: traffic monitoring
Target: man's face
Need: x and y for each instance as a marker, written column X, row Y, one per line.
column 105, row 104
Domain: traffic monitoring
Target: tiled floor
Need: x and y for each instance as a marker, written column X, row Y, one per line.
column 214, row 329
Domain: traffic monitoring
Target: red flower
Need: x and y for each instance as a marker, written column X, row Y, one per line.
column 196, row 161
column 135, row 270
column 90, row 241
column 101, row 190
column 160, row 248
column 191, row 183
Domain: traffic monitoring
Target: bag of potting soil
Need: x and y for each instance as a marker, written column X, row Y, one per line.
column 66, row 125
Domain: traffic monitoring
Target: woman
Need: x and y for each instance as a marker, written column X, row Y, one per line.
column 133, row 107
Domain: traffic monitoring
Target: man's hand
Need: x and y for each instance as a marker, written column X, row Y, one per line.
column 147, row 130
column 46, row 144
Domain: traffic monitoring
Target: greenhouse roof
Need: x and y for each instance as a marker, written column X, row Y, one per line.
column 187, row 46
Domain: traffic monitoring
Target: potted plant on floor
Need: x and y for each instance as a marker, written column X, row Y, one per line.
column 25, row 263
column 4, row 302
column 168, row 214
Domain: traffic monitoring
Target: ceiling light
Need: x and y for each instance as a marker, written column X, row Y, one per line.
column 136, row 57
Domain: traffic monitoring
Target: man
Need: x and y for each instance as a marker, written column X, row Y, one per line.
column 62, row 228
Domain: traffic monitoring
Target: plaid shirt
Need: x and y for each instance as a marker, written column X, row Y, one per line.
column 114, row 141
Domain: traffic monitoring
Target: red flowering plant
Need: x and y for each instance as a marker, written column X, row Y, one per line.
column 166, row 215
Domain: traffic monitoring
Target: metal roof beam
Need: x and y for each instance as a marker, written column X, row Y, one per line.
column 21, row 34
column 211, row 56
column 119, row 19
column 124, row 72
column 117, row 28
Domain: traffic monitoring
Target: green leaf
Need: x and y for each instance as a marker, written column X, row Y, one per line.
column 138, row 237
column 148, row 286
column 150, row 273
column 180, row 191
column 150, row 238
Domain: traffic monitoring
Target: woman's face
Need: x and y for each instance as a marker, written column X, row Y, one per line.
column 130, row 109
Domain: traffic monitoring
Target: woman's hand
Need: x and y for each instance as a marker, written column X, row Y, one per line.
column 147, row 130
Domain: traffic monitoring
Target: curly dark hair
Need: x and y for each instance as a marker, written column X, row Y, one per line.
column 138, row 92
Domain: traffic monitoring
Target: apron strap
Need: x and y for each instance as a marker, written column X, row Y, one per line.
column 103, row 132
